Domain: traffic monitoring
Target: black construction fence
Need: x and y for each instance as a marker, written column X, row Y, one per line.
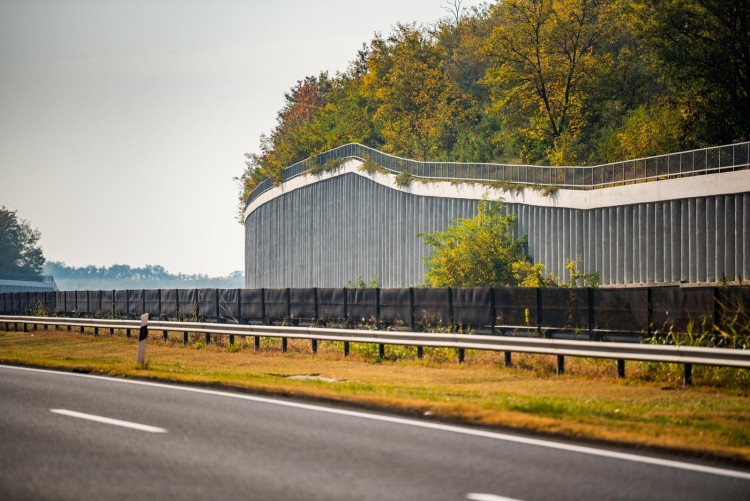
column 631, row 314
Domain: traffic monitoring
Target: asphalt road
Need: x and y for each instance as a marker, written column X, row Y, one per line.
column 57, row 441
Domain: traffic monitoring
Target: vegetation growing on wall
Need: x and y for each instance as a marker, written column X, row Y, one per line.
column 551, row 82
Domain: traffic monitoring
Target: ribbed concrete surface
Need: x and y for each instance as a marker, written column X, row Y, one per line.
column 328, row 232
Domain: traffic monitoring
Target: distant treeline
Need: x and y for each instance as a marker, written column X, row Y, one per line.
column 556, row 82
column 122, row 276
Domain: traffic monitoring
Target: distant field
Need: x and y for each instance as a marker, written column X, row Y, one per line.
column 648, row 408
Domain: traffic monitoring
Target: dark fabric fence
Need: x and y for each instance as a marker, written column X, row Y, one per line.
column 596, row 313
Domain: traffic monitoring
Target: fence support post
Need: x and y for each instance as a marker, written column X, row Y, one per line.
column 461, row 355
column 687, row 375
column 560, row 365
column 508, row 359
column 621, row 369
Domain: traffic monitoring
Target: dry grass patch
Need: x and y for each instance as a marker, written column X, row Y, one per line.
column 648, row 408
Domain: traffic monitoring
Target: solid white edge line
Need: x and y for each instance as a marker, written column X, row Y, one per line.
column 421, row 424
column 106, row 420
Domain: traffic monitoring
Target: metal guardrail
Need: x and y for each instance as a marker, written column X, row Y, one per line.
column 681, row 164
column 686, row 355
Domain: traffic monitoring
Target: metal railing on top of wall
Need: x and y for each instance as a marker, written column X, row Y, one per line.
column 673, row 165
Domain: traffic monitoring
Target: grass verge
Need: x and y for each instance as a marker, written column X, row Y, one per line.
column 649, row 408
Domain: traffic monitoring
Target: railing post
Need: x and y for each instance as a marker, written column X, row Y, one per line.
column 314, row 346
column 620, row 368
column 508, row 359
column 284, row 345
column 185, row 338
column 420, row 352
column 461, row 355
column 381, row 351
column 231, row 340
column 560, row 364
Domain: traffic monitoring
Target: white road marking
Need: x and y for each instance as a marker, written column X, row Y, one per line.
column 422, row 424
column 106, row 420
column 476, row 496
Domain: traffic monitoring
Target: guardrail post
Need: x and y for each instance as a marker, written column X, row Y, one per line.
column 461, row 355
column 508, row 359
column 687, row 374
column 315, row 346
column 111, row 331
column 560, row 364
column 185, row 338
column 284, row 344
column 164, row 333
column 127, row 332
column 25, row 327
column 82, row 329
column 96, row 331
column 420, row 352
column 208, row 338
column 257, row 343
column 346, row 348
column 231, row 340
column 620, row 368
column 381, row 351
column 70, row 327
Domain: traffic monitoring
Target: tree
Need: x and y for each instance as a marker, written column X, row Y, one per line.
column 481, row 252
column 704, row 46
column 418, row 106
column 19, row 252
column 543, row 51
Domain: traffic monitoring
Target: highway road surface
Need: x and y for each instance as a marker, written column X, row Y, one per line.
column 76, row 436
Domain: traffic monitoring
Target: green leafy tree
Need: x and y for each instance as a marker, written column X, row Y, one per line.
column 543, row 52
column 704, row 46
column 418, row 105
column 19, row 252
column 481, row 252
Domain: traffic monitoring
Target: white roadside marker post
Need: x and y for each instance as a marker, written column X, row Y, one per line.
column 142, row 339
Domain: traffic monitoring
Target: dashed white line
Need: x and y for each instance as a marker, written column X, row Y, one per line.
column 476, row 496
column 106, row 420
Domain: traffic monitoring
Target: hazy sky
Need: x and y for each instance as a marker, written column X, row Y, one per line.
column 122, row 123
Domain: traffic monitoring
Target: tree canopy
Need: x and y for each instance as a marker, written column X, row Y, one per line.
column 552, row 82
column 19, row 250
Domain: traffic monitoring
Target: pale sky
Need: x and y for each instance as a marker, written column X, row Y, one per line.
column 122, row 123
